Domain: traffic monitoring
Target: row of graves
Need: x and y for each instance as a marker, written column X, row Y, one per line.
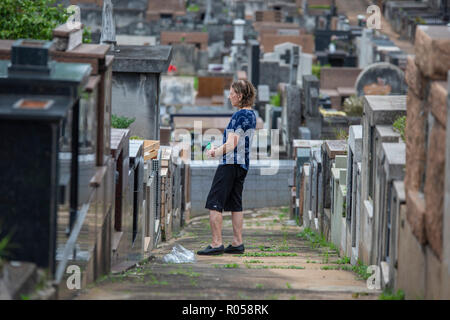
column 186, row 25
column 406, row 16
column 372, row 47
column 150, row 17
column 342, row 188
column 381, row 196
column 86, row 197
column 281, row 61
column 320, row 108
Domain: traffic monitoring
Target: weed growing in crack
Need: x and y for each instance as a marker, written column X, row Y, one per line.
column 264, row 254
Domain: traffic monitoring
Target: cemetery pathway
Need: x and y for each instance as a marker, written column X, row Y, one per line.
column 278, row 264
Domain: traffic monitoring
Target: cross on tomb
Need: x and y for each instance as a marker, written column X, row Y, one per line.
column 286, row 56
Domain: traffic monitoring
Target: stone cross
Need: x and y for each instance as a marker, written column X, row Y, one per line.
column 207, row 19
column 286, row 56
column 108, row 34
column 294, row 66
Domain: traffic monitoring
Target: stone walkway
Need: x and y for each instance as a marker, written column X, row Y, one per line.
column 277, row 264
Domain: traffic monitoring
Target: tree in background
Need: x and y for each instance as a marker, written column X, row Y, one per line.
column 33, row 19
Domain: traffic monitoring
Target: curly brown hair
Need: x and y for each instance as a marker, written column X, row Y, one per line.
column 247, row 91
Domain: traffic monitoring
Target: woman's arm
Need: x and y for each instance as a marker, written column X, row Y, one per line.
column 228, row 146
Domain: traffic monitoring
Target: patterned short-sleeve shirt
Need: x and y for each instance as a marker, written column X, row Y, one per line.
column 243, row 122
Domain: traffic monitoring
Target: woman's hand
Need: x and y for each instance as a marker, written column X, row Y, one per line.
column 211, row 153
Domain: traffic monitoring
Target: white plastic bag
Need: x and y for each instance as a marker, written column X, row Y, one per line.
column 179, row 254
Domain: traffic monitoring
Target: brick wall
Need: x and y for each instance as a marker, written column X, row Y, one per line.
column 197, row 38
column 331, row 78
column 426, row 76
column 271, row 16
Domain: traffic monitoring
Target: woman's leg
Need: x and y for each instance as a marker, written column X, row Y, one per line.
column 215, row 221
column 237, row 219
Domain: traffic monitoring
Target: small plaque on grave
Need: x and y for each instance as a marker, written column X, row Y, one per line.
column 263, row 93
column 379, row 88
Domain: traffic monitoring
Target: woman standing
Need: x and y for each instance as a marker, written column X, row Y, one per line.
column 228, row 182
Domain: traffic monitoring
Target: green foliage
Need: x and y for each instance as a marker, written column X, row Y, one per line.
column 419, row 20
column 400, row 125
column 389, row 295
column 361, row 270
column 340, row 134
column 189, row 272
column 330, row 268
column 193, row 8
column 264, row 254
column 119, row 122
column 253, row 261
column 325, row 257
column 227, row 266
column 316, row 240
column 33, row 19
column 275, row 100
column 196, row 83
column 136, row 138
column 316, row 69
column 4, row 247
column 275, row 267
column 5, row 244
column 87, row 35
column 353, row 106
column 344, row 260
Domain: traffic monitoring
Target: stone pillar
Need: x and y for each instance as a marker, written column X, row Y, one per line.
column 293, row 103
column 378, row 110
column 136, row 86
column 330, row 149
column 365, row 48
column 238, row 44
column 446, row 218
column 294, row 115
column 208, row 17
column 253, row 63
column 391, row 160
column 354, row 157
column 339, row 173
column 426, row 184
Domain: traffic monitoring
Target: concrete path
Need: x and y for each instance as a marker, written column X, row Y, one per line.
column 277, row 264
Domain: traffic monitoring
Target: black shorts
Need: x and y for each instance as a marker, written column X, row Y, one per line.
column 226, row 188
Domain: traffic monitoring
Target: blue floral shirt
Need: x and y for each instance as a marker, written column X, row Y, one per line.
column 243, row 122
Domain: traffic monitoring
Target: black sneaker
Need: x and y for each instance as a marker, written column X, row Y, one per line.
column 238, row 249
column 210, row 251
